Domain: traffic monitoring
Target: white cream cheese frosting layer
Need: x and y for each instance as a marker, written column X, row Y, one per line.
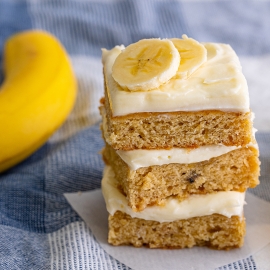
column 218, row 84
column 227, row 203
column 139, row 158
column 136, row 159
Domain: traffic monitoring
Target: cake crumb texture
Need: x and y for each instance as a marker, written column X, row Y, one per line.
column 233, row 171
column 161, row 130
column 214, row 231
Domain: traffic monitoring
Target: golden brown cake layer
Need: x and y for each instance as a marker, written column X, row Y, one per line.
column 177, row 129
column 233, row 171
column 214, row 231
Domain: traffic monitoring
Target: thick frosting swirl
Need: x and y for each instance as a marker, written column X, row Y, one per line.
column 218, row 84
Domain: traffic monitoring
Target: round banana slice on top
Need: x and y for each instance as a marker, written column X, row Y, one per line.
column 146, row 64
column 192, row 53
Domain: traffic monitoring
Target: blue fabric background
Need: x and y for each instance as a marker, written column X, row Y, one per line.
column 32, row 205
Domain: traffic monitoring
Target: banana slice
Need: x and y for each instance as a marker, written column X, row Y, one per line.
column 146, row 64
column 192, row 53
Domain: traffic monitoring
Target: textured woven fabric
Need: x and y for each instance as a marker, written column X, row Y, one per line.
column 38, row 228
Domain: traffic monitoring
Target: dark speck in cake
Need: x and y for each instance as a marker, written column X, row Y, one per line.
column 192, row 177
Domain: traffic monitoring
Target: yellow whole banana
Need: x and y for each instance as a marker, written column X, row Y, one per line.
column 38, row 93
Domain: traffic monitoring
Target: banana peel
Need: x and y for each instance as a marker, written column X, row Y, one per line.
column 37, row 95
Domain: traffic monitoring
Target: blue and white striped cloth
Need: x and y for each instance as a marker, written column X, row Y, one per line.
column 38, row 228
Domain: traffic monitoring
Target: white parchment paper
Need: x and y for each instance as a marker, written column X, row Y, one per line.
column 91, row 208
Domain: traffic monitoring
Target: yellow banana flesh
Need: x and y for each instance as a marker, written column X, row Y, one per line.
column 38, row 93
column 146, row 64
column 193, row 55
column 149, row 63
